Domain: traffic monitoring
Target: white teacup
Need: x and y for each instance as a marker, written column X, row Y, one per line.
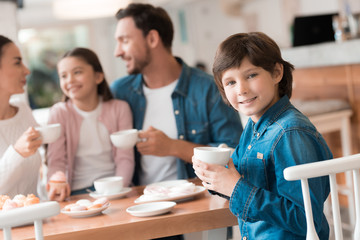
column 49, row 133
column 109, row 185
column 213, row 155
column 125, row 139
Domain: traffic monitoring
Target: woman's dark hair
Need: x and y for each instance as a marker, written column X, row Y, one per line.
column 3, row 41
column 91, row 58
column 147, row 18
column 261, row 51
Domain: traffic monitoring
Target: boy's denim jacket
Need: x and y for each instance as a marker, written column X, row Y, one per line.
column 268, row 206
column 200, row 113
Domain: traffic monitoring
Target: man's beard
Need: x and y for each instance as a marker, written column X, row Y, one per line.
column 139, row 65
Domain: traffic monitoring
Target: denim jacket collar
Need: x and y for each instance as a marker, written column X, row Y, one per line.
column 271, row 115
column 181, row 87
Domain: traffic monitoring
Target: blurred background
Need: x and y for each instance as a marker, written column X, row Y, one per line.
column 45, row 29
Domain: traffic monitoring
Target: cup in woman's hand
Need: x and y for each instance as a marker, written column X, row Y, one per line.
column 213, row 155
column 49, row 133
column 125, row 139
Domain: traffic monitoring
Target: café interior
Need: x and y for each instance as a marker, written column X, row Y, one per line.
column 320, row 38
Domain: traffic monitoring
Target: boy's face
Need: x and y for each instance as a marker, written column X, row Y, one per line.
column 252, row 90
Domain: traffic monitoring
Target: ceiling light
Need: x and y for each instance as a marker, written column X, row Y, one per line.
column 87, row 9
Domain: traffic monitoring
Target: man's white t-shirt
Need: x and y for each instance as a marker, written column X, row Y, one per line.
column 160, row 115
column 93, row 158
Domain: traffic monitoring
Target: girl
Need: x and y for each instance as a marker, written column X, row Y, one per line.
column 88, row 115
column 254, row 79
column 19, row 159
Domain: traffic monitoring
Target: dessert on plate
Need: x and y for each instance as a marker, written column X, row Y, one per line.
column 6, row 203
column 85, row 205
column 163, row 191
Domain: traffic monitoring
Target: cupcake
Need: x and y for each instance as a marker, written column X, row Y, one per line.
column 3, row 198
column 31, row 199
column 9, row 204
column 58, row 181
column 20, row 200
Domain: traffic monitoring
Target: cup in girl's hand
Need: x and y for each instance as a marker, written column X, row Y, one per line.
column 49, row 133
column 125, row 139
column 213, row 155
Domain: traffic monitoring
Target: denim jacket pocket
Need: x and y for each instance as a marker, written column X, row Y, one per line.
column 255, row 172
column 197, row 132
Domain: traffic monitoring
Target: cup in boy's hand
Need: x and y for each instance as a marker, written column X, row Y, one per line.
column 49, row 133
column 213, row 155
column 125, row 139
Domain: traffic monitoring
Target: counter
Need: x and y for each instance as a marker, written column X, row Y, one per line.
column 324, row 54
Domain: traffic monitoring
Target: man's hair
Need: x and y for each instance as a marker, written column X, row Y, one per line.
column 147, row 18
column 261, row 51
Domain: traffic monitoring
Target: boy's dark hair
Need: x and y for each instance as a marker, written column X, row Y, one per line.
column 3, row 41
column 91, row 58
column 261, row 51
column 148, row 17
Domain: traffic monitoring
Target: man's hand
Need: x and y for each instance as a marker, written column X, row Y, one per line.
column 155, row 142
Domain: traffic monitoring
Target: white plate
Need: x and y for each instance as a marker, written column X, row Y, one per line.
column 172, row 183
column 85, row 213
column 123, row 192
column 150, row 209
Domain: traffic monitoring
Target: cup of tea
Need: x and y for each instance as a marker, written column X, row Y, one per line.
column 213, row 155
column 125, row 139
column 109, row 185
column 49, row 133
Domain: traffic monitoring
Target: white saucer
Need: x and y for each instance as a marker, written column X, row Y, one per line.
column 151, row 209
column 120, row 194
column 86, row 213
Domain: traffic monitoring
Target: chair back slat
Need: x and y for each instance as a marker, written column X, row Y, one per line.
column 311, row 232
column 335, row 207
column 356, row 177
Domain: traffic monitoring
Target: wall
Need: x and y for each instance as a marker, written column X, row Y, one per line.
column 206, row 24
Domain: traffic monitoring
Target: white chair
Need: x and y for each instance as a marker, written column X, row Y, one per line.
column 329, row 167
column 26, row 215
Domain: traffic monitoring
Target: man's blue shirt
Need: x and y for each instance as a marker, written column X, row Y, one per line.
column 200, row 113
column 268, row 206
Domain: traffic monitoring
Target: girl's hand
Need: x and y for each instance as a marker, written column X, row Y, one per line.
column 217, row 178
column 53, row 196
column 28, row 143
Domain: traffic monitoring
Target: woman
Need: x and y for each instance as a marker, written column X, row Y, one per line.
column 19, row 160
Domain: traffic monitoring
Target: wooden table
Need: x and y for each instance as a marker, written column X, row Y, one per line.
column 201, row 213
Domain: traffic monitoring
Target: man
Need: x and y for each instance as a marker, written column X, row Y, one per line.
column 177, row 107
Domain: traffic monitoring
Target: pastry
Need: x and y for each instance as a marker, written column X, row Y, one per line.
column 58, row 181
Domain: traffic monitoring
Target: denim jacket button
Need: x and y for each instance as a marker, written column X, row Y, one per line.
column 249, row 147
column 193, row 131
column 181, row 137
column 177, row 112
column 244, row 238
